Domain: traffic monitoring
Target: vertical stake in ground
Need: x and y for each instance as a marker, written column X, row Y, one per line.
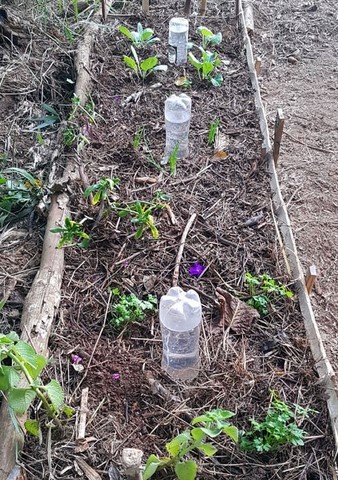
column 145, row 7
column 310, row 278
column 203, row 8
column 258, row 64
column 187, row 7
column 279, row 126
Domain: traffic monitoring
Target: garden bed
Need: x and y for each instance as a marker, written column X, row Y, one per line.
column 238, row 371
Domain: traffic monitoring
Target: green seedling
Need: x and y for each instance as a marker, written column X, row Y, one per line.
column 128, row 308
column 144, row 37
column 263, row 291
column 173, row 159
column 279, row 428
column 69, row 136
column 70, row 232
column 101, row 189
column 208, row 37
column 145, row 67
column 192, row 440
column 206, row 66
column 19, row 360
column 142, row 217
column 20, row 192
column 137, row 138
column 48, row 120
column 213, row 131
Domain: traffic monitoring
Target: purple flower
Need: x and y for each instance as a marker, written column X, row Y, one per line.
column 76, row 359
column 196, row 270
column 115, row 376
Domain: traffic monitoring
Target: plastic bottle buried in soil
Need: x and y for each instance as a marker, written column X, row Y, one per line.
column 180, row 319
column 178, row 40
column 177, row 112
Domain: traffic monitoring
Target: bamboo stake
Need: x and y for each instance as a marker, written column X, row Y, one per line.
column 187, row 7
column 203, row 8
column 145, row 7
column 279, row 126
column 180, row 250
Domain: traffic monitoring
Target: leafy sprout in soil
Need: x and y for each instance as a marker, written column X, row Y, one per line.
column 264, row 290
column 70, row 232
column 128, row 308
column 48, row 120
column 137, row 138
column 18, row 360
column 206, row 66
column 280, row 427
column 145, row 67
column 212, row 131
column 19, row 194
column 143, row 37
column 101, row 189
column 214, row 423
column 173, row 159
column 208, row 37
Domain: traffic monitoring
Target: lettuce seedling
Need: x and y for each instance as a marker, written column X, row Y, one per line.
column 145, row 67
column 208, row 37
column 142, row 38
column 206, row 66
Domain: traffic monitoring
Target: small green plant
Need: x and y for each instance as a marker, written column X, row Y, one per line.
column 146, row 67
column 214, row 423
column 143, row 37
column 20, row 192
column 128, row 308
column 173, row 159
column 70, row 232
column 142, row 216
column 208, row 37
column 212, row 131
column 19, row 360
column 279, row 428
column 69, row 136
column 264, row 290
column 48, row 120
column 206, row 66
column 101, row 189
column 137, row 138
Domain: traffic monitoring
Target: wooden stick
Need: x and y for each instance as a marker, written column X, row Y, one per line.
column 81, row 431
column 248, row 16
column 171, row 215
column 180, row 250
column 203, row 8
column 279, row 126
column 145, row 7
column 311, row 278
column 237, row 10
column 187, row 7
column 104, row 11
column 258, row 64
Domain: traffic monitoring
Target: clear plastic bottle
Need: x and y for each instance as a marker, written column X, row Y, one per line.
column 178, row 40
column 177, row 112
column 180, row 319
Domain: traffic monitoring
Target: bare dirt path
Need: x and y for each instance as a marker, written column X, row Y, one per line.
column 298, row 43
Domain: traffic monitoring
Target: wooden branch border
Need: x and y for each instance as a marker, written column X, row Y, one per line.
column 323, row 366
column 43, row 299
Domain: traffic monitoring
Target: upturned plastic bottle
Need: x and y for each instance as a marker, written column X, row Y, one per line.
column 177, row 112
column 178, row 40
column 180, row 319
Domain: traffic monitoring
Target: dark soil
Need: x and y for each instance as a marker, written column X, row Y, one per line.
column 237, row 371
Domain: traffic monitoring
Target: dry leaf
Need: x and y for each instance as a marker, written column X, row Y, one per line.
column 220, row 155
column 234, row 313
column 149, row 282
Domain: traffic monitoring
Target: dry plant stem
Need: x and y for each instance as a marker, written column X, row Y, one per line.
column 180, row 250
column 38, row 313
column 81, row 431
column 323, row 366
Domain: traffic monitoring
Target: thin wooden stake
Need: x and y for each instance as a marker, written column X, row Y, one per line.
column 258, row 64
column 279, row 126
column 187, row 7
column 203, row 8
column 81, row 431
column 311, row 278
column 237, row 9
column 145, row 7
column 249, row 17
column 180, row 250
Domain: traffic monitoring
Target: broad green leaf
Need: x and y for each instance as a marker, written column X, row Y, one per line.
column 147, row 33
column 26, row 352
column 217, row 80
column 96, row 198
column 89, row 190
column 215, row 39
column 126, row 32
column 208, row 449
column 205, row 31
column 153, row 40
column 139, row 29
column 186, row 470
column 4, row 378
column 68, row 411
column 20, row 399
column 57, row 230
column 55, row 394
column 176, row 444
column 197, row 434
column 193, row 60
column 130, row 62
column 13, row 336
column 32, row 427
column 211, row 432
column 151, row 466
column 13, row 376
column 232, row 432
column 207, row 68
column 139, row 233
column 148, row 64
column 41, row 362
